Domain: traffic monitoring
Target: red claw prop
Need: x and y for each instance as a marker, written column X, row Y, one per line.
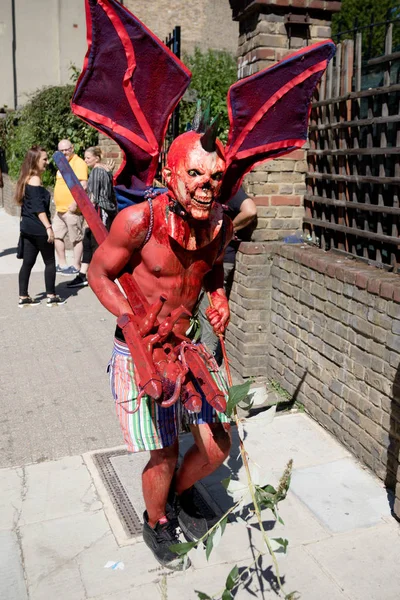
column 166, row 366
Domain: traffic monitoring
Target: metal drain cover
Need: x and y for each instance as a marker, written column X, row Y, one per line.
column 121, row 471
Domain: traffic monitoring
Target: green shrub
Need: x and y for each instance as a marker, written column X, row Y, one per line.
column 213, row 73
column 44, row 120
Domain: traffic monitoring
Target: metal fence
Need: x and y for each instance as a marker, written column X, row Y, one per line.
column 173, row 42
column 352, row 201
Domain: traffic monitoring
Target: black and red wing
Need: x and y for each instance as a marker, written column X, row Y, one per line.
column 129, row 86
column 269, row 112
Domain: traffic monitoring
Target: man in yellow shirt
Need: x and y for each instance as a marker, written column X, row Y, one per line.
column 68, row 218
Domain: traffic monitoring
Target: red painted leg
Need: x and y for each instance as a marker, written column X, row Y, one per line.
column 156, row 481
column 212, row 446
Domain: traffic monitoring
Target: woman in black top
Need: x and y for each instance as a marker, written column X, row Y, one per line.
column 36, row 231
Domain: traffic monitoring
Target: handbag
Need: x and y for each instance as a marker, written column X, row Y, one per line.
column 20, row 247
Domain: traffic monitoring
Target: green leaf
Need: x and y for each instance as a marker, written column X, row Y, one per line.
column 209, row 545
column 226, row 595
column 269, row 489
column 202, row 595
column 181, row 549
column 282, row 543
column 223, row 524
column 232, row 578
column 237, row 393
column 225, row 482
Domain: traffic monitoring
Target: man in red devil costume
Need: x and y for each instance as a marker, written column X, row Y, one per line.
column 186, row 234
column 172, row 245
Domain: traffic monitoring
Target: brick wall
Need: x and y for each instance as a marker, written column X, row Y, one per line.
column 334, row 342
column 110, row 150
column 278, row 186
column 204, row 23
column 8, row 192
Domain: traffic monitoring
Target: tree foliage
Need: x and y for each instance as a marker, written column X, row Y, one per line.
column 44, row 120
column 359, row 13
column 213, row 73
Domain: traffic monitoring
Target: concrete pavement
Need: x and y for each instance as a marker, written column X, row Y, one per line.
column 58, row 526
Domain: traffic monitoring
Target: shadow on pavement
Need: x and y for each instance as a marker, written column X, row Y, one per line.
column 8, row 251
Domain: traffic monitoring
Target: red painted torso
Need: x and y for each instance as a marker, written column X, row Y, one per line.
column 164, row 266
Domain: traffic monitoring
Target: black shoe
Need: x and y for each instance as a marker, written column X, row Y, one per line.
column 79, row 281
column 55, row 301
column 160, row 539
column 28, row 302
column 191, row 521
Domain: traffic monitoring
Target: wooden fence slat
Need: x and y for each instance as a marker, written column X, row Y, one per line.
column 391, row 89
column 351, row 179
column 357, row 123
column 356, row 232
column 350, row 205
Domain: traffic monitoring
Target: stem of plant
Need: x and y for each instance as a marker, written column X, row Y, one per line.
column 246, row 462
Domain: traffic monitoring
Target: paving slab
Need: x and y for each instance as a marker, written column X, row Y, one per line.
column 140, row 567
column 365, row 564
column 144, row 592
column 298, row 572
column 58, row 489
column 12, row 582
column 11, row 486
column 59, row 402
column 342, row 494
column 51, row 549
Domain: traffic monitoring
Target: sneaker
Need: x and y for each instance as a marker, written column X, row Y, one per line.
column 68, row 271
column 28, row 302
column 160, row 539
column 55, row 301
column 79, row 281
column 191, row 521
column 60, row 269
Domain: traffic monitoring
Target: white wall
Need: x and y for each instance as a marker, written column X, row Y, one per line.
column 6, row 67
column 50, row 34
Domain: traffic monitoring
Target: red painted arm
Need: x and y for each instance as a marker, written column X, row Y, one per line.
column 127, row 235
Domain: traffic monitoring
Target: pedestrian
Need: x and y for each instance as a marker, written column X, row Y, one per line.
column 36, row 232
column 68, row 218
column 243, row 212
column 101, row 192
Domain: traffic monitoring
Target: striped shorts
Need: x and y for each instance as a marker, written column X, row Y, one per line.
column 152, row 427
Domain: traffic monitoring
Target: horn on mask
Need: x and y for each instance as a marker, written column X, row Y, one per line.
column 208, row 138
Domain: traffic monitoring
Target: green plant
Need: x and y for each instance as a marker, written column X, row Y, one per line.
column 276, row 386
column 44, row 120
column 213, row 73
column 361, row 11
column 249, row 501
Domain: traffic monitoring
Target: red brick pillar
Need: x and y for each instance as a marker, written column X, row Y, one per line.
column 269, row 30
column 110, row 150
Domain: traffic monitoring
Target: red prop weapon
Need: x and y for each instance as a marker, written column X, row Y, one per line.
column 173, row 364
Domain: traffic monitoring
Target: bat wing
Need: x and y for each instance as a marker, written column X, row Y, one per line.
column 129, row 86
column 269, row 112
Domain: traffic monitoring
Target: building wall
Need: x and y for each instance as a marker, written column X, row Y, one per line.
column 50, row 35
column 204, row 23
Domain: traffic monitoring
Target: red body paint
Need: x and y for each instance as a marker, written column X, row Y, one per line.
column 186, row 247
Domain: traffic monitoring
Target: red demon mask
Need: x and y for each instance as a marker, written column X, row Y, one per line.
column 194, row 173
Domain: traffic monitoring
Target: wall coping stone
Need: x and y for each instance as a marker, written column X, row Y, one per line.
column 241, row 8
column 345, row 269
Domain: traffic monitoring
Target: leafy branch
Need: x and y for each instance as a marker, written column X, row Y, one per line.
column 261, row 498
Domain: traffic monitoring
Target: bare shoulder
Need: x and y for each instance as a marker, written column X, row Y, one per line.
column 131, row 225
column 34, row 180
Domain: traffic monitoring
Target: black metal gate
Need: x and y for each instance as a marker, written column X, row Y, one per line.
column 173, row 42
